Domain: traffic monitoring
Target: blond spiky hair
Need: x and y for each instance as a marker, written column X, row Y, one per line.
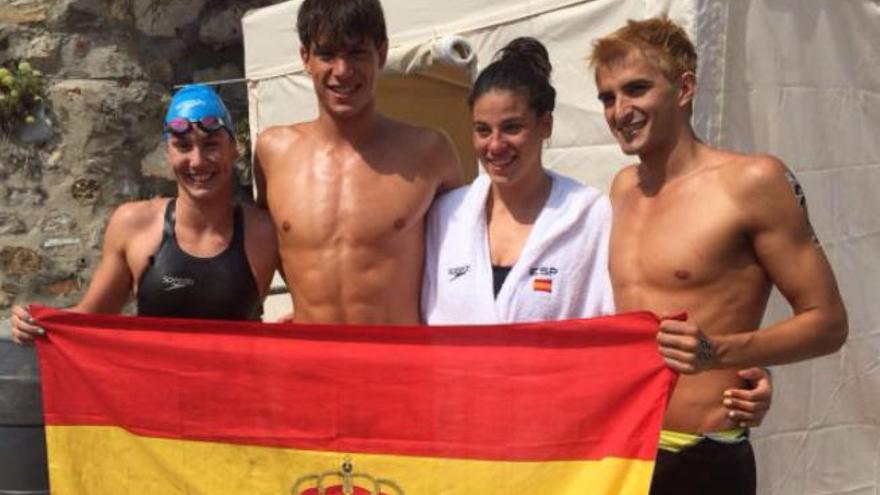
column 663, row 42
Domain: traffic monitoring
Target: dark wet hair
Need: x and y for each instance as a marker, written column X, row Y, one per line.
column 337, row 21
column 523, row 65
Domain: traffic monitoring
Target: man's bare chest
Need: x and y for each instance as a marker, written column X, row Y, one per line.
column 683, row 244
column 349, row 209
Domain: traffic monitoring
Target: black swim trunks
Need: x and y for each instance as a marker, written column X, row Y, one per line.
column 708, row 467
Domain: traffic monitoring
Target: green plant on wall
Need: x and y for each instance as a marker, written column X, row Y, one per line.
column 21, row 91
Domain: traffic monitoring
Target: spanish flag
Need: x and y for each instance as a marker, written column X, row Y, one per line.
column 173, row 406
column 542, row 284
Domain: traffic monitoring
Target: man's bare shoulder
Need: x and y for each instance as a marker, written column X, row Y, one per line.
column 432, row 147
column 753, row 176
column 764, row 190
column 626, row 179
column 284, row 132
column 280, row 138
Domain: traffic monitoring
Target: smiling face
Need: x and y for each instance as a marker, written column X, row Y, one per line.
column 643, row 108
column 202, row 162
column 508, row 136
column 344, row 75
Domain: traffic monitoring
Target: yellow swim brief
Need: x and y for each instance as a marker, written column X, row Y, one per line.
column 675, row 441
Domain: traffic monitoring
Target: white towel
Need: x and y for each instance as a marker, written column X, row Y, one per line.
column 561, row 273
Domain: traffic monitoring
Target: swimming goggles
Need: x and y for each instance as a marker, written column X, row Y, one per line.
column 208, row 123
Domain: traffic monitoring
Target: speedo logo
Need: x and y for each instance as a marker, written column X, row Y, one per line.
column 545, row 271
column 174, row 283
column 458, row 271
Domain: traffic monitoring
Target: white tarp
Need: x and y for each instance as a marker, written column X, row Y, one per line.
column 795, row 78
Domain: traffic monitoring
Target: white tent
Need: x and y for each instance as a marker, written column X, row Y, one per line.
column 795, row 78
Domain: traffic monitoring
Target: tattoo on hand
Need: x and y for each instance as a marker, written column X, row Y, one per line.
column 705, row 354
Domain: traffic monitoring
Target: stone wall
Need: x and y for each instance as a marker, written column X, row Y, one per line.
column 110, row 67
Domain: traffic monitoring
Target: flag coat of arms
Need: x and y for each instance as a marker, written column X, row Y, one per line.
column 173, row 406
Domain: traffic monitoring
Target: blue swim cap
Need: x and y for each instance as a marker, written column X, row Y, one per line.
column 194, row 101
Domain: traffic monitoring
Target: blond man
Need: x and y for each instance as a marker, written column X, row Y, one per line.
column 708, row 232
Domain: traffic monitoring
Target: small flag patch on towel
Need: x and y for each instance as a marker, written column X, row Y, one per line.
column 542, row 284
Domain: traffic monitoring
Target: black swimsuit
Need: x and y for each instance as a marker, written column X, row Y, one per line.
column 499, row 275
column 177, row 284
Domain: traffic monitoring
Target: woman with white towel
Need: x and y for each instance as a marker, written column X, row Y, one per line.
column 522, row 243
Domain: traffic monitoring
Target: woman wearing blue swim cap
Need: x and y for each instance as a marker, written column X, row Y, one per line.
column 198, row 255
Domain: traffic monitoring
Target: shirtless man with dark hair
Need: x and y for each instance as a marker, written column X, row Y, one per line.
column 709, row 232
column 348, row 191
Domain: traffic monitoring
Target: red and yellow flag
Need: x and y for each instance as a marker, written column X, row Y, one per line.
column 171, row 406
